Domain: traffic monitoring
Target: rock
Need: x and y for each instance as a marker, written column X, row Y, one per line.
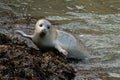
column 20, row 62
column 4, row 39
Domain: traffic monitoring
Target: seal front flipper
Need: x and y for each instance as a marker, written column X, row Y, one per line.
column 60, row 49
column 23, row 34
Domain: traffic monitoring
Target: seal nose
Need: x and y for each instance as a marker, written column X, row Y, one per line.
column 43, row 33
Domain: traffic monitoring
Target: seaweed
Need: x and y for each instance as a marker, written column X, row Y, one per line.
column 20, row 62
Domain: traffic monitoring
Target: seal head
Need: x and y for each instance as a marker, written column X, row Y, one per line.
column 43, row 28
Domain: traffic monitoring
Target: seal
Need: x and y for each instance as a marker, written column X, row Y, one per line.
column 45, row 35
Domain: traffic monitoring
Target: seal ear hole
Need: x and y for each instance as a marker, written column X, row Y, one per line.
column 41, row 25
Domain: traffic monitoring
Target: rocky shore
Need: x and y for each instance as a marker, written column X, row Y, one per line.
column 20, row 62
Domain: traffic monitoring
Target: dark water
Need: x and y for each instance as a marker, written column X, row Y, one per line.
column 96, row 22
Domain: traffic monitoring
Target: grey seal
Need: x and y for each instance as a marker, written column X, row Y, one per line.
column 45, row 35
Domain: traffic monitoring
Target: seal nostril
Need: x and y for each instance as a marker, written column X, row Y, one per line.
column 42, row 34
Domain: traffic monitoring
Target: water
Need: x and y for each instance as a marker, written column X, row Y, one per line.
column 95, row 22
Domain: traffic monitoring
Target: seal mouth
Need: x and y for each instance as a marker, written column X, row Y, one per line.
column 42, row 34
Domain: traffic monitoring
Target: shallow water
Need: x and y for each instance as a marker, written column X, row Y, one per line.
column 95, row 22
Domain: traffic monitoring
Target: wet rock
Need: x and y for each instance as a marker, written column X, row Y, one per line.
column 20, row 62
column 4, row 39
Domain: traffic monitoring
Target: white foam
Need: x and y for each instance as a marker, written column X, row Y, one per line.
column 114, row 75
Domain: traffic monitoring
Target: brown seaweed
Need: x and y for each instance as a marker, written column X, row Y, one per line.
column 20, row 62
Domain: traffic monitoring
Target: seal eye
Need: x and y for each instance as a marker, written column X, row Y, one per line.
column 40, row 25
column 48, row 27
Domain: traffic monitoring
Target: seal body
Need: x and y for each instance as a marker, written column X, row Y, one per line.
column 45, row 35
column 74, row 46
